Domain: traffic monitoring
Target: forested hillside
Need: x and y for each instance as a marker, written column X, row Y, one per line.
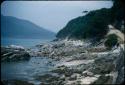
column 94, row 24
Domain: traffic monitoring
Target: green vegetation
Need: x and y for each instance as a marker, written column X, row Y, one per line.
column 111, row 41
column 93, row 25
column 118, row 10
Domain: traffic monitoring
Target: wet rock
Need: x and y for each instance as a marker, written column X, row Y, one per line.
column 49, row 79
column 14, row 54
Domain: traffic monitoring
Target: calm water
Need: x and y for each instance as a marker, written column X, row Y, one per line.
column 26, row 70
column 22, row 42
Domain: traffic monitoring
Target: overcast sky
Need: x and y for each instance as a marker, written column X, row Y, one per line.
column 51, row 15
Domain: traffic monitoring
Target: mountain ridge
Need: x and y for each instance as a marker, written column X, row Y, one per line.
column 20, row 28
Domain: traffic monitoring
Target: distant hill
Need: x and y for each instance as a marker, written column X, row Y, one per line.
column 17, row 28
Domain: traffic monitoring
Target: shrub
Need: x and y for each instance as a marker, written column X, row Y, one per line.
column 111, row 41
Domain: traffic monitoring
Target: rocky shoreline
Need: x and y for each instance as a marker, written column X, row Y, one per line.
column 81, row 63
column 14, row 53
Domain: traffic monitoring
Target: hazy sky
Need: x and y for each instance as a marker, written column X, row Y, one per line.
column 52, row 15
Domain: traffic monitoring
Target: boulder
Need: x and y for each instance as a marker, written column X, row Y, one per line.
column 87, row 73
column 14, row 54
column 74, row 76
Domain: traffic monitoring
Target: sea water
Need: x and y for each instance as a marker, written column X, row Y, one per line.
column 22, row 42
column 25, row 70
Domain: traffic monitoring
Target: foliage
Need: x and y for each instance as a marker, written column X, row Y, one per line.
column 92, row 25
column 111, row 41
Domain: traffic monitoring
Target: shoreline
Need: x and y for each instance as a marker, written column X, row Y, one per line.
column 80, row 63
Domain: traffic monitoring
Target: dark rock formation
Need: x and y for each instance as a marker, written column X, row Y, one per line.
column 10, row 54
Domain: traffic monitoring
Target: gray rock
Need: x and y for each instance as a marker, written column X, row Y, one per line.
column 103, row 63
column 10, row 54
column 62, row 77
column 74, row 76
column 103, row 80
column 87, row 73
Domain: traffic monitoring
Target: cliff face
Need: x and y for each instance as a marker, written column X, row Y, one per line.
column 120, row 68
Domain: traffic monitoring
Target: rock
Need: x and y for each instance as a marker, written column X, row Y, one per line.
column 62, row 77
column 60, row 69
column 121, row 75
column 74, row 76
column 49, row 79
column 101, row 63
column 16, row 82
column 120, row 67
column 39, row 46
column 87, row 73
column 16, row 47
column 103, row 80
column 58, row 45
column 10, row 54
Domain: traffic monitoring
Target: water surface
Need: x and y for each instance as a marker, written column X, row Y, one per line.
column 26, row 70
column 22, row 42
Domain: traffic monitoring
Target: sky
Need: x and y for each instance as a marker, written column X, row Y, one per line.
column 51, row 15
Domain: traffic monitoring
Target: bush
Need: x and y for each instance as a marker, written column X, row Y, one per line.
column 111, row 41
